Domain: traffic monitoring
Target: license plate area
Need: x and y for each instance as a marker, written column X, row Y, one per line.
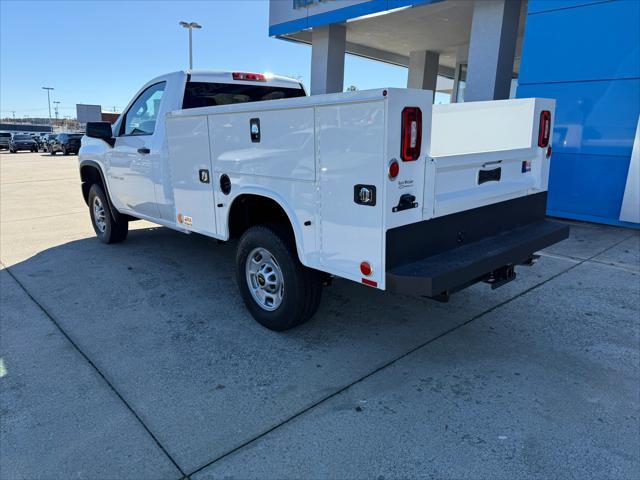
column 492, row 175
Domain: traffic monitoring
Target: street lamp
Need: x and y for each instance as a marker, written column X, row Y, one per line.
column 56, row 109
column 48, row 89
column 190, row 26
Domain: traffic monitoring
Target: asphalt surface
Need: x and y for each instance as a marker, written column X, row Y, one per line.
column 139, row 360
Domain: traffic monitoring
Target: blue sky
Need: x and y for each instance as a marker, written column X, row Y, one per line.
column 101, row 52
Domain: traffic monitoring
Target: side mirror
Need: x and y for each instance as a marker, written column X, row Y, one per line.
column 101, row 130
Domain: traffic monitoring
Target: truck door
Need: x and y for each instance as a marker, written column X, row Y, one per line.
column 191, row 172
column 135, row 158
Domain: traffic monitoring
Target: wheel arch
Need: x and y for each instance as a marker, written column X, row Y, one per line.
column 255, row 207
column 90, row 173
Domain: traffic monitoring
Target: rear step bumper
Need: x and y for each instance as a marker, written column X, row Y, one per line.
column 490, row 259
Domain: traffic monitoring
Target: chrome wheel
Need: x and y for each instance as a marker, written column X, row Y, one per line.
column 99, row 215
column 265, row 279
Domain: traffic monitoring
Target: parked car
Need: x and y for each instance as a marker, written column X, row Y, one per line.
column 66, row 143
column 380, row 187
column 46, row 141
column 22, row 142
column 39, row 141
column 5, row 140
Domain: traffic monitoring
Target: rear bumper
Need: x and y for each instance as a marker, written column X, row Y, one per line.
column 444, row 254
column 458, row 268
column 455, row 269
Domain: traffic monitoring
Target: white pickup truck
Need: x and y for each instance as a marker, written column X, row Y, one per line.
column 379, row 187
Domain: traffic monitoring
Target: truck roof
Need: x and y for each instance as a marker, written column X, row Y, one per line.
column 222, row 76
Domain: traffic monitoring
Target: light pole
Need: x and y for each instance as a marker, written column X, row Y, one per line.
column 56, row 109
column 190, row 26
column 48, row 89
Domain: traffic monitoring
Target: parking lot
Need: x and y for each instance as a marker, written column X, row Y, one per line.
column 139, row 360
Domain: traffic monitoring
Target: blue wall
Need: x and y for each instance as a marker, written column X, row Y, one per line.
column 586, row 55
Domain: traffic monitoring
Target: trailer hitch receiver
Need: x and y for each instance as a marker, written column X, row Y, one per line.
column 500, row 277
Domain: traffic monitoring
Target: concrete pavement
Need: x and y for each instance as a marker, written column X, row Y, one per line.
column 139, row 360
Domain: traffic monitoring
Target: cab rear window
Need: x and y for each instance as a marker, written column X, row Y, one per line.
column 202, row 94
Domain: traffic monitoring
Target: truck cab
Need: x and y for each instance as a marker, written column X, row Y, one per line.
column 135, row 165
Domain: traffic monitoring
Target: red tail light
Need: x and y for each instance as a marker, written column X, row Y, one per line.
column 411, row 133
column 254, row 77
column 545, row 129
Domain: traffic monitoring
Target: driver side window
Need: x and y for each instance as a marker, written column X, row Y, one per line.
column 140, row 119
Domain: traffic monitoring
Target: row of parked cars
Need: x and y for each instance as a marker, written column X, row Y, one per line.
column 52, row 143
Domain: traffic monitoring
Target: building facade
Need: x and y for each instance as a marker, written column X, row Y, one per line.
column 583, row 53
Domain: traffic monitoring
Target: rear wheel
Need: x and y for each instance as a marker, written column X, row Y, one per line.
column 109, row 229
column 278, row 290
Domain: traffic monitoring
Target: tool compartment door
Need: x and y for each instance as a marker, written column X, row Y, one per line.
column 349, row 152
column 191, row 173
column 484, row 153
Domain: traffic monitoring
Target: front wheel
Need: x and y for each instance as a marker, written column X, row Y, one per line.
column 278, row 290
column 109, row 229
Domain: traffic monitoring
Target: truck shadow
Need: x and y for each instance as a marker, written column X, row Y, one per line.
column 187, row 283
column 183, row 275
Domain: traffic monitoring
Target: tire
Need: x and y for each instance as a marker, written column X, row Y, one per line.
column 272, row 247
column 65, row 151
column 12, row 151
column 52, row 152
column 108, row 229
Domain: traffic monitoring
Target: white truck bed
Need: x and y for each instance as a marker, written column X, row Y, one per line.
column 314, row 151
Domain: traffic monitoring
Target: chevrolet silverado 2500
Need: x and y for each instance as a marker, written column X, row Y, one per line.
column 379, row 187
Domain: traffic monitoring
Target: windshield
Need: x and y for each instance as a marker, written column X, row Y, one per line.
column 201, row 94
column 75, row 135
column 22, row 137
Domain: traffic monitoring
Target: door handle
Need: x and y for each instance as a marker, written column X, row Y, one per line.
column 144, row 151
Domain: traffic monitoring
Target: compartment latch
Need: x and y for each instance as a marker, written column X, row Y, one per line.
column 364, row 195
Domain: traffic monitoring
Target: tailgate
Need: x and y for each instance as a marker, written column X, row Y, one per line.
column 485, row 152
